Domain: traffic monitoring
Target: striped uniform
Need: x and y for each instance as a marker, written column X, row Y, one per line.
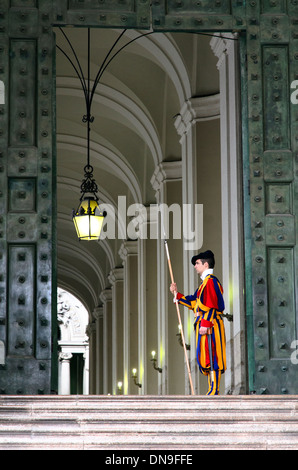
column 208, row 304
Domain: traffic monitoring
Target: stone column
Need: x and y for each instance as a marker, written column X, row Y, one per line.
column 232, row 209
column 97, row 351
column 166, row 180
column 148, row 327
column 116, row 281
column 64, row 372
column 106, row 298
column 128, row 253
column 86, row 371
column 91, row 333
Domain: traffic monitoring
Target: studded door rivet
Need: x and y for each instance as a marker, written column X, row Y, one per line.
column 21, row 300
column 43, row 321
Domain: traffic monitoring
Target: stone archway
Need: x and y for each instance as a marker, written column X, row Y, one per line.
column 73, row 345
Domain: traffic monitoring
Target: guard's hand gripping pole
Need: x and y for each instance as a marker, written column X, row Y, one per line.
column 179, row 320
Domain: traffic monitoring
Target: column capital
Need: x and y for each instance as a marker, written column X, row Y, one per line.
column 220, row 46
column 196, row 109
column 115, row 275
column 128, row 247
column 166, row 171
column 106, row 295
column 97, row 313
column 90, row 329
column 65, row 356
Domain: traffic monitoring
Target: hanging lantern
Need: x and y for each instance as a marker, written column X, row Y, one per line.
column 88, row 218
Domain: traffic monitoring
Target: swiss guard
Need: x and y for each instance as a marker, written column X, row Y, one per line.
column 208, row 305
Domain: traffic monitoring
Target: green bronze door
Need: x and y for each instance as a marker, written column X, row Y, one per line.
column 272, row 67
column 28, row 307
column 27, row 209
column 269, row 69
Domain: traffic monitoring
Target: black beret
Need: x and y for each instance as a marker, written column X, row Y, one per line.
column 205, row 255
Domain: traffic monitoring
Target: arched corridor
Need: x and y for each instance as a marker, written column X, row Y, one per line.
column 73, row 345
column 156, row 133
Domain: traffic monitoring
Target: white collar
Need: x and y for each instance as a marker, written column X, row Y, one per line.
column 206, row 273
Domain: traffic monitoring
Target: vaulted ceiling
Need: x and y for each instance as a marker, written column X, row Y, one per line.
column 134, row 108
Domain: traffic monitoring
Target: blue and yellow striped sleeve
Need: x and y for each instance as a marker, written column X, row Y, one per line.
column 189, row 301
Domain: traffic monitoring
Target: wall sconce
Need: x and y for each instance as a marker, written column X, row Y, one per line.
column 154, row 360
column 134, row 376
column 119, row 388
column 180, row 339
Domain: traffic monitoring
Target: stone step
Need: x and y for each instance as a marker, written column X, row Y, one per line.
column 148, row 422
